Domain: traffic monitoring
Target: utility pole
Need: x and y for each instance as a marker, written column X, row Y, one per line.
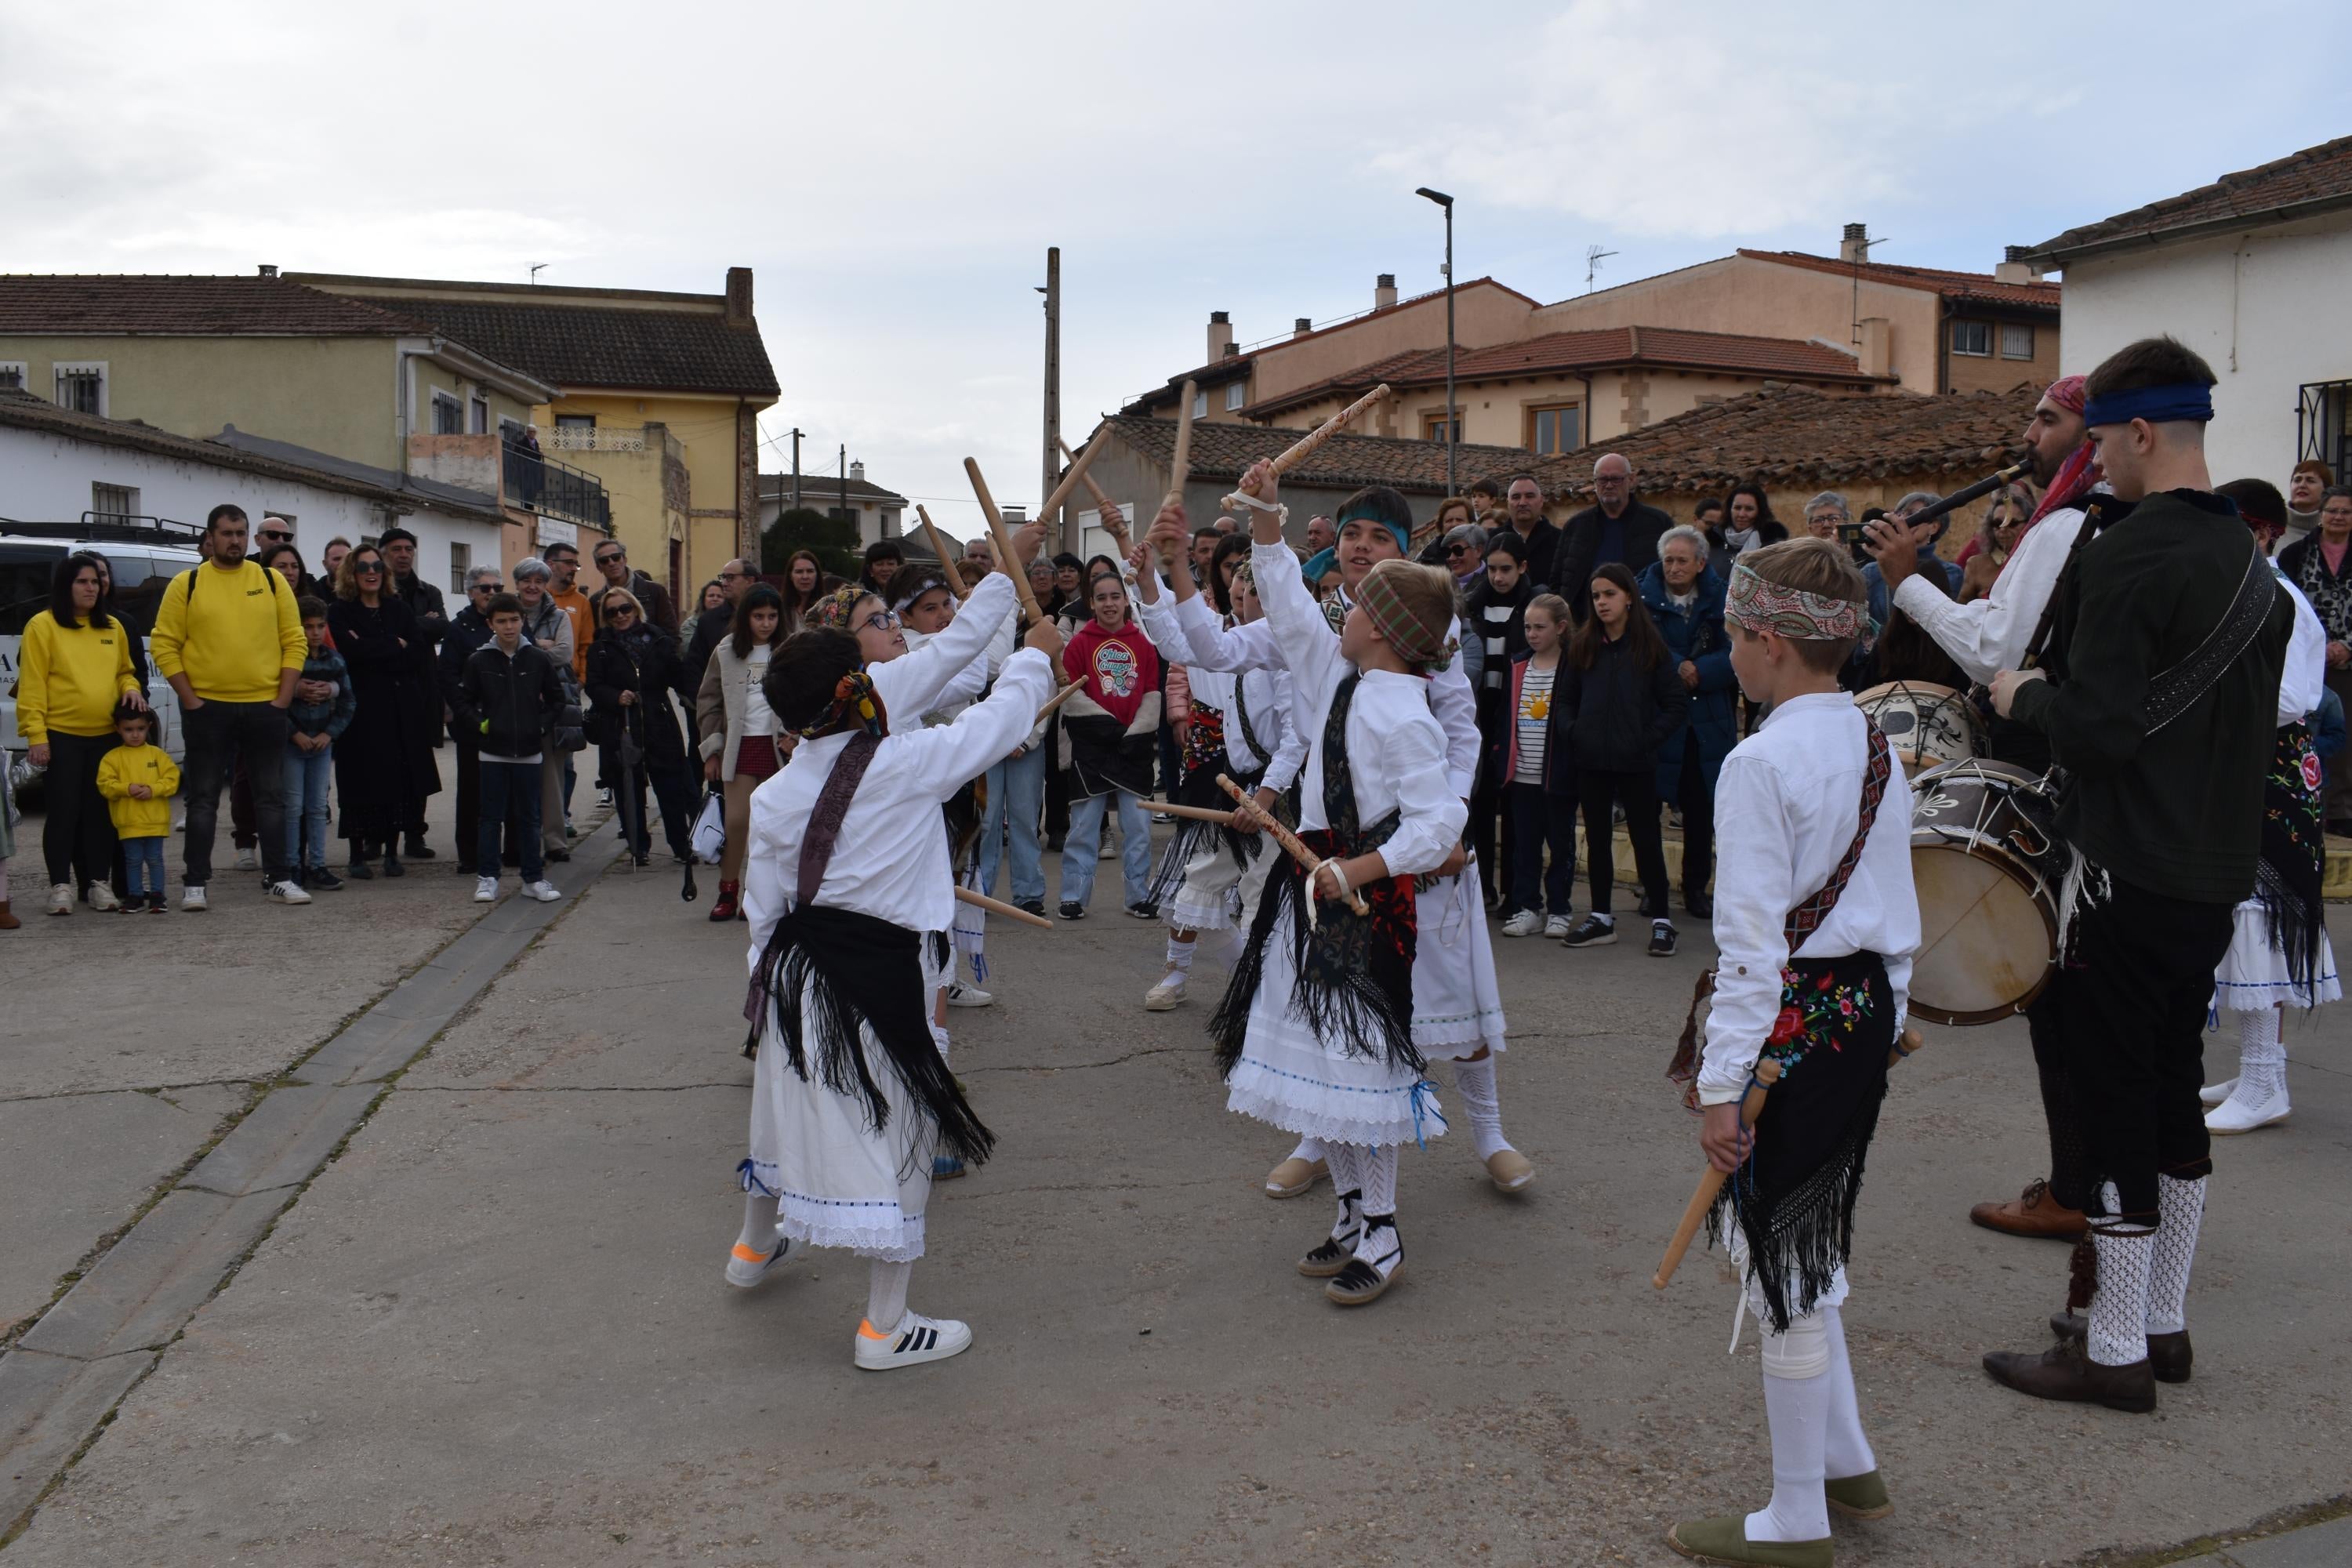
column 796, row 467
column 846, row 513
column 1053, row 452
column 1453, row 418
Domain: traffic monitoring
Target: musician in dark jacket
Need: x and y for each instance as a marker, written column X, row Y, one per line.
column 2158, row 690
column 632, row 669
column 1618, row 527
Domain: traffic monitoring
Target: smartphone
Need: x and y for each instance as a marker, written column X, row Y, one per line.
column 1850, row 534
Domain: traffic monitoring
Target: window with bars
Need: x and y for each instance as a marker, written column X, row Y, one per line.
column 480, row 410
column 449, row 414
column 1554, row 428
column 1973, row 338
column 2016, row 339
column 82, row 388
column 114, row 503
column 461, row 561
column 12, row 376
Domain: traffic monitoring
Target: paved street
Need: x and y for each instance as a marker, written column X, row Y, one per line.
column 492, row 1328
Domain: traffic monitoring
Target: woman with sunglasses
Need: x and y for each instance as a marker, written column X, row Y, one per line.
column 383, row 760
column 632, row 669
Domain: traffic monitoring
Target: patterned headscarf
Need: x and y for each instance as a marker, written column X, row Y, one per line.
column 1424, row 640
column 855, row 707
column 2079, row 472
column 831, row 610
column 1767, row 606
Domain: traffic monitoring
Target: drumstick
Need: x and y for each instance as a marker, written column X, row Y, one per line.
column 948, row 572
column 1289, row 841
column 1056, row 700
column 998, row 907
column 1767, row 1073
column 1198, row 813
column 1004, row 553
column 1306, row 445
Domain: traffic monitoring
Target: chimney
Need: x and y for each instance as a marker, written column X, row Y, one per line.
column 268, row 271
column 1014, row 516
column 1855, row 246
column 1221, row 334
column 1300, row 326
column 857, row 472
column 1876, row 350
column 2014, row 268
column 1384, row 290
column 738, row 296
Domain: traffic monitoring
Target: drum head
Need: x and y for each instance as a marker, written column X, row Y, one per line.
column 1984, row 941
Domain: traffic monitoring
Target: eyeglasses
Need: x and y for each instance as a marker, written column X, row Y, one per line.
column 276, row 539
column 619, row 612
column 1458, row 550
column 487, row 588
column 731, row 576
column 879, row 621
column 366, row 568
column 608, row 559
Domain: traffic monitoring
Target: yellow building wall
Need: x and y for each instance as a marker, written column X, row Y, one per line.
column 1973, row 372
column 331, row 394
column 705, row 430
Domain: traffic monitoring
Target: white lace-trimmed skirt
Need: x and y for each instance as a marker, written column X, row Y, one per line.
column 2252, row 975
column 837, row 1182
column 1457, row 1008
column 1288, row 1079
column 1216, row 894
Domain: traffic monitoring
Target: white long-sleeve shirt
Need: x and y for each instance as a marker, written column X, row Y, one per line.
column 1269, row 693
column 892, row 859
column 1396, row 750
column 1990, row 635
column 1785, row 813
column 2305, row 677
column 951, row 665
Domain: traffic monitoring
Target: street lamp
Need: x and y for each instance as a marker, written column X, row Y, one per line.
column 1451, row 428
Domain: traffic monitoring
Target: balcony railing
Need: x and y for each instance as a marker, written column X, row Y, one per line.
column 556, row 489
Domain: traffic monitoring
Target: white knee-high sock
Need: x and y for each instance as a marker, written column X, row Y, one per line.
column 885, row 1294
column 1180, row 954
column 2118, row 1326
column 1475, row 1082
column 1229, row 951
column 1311, row 1150
column 2261, row 1055
column 1377, row 1243
column 2180, row 1206
column 1846, row 1451
column 1346, row 1186
column 1378, row 1169
column 758, row 1223
column 1798, row 1411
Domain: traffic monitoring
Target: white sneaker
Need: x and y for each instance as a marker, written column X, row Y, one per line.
column 61, row 899
column 1556, row 927
column 245, row 862
column 917, row 1339
column 545, row 891
column 1526, row 922
column 746, row 1267
column 961, row 994
column 1109, row 850
column 1164, row 996
column 485, row 890
column 2246, row 1109
column 289, row 892
column 192, row 899
column 103, row 898
column 2215, row 1094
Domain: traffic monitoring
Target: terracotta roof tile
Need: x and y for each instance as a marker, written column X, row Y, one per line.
column 2320, row 175
column 115, row 304
column 1980, row 288
column 1343, row 462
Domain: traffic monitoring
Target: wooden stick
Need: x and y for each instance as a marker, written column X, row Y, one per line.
column 1112, row 525
column 1070, row 481
column 998, row 907
column 1305, row 447
column 1005, row 555
column 1181, row 469
column 1197, row 813
column 939, row 548
column 1056, row 700
column 1289, row 841
column 1767, row 1073
column 1102, row 497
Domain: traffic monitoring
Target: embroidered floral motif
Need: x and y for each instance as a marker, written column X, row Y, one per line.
column 1814, row 1014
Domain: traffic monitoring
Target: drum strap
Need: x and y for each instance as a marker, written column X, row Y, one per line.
column 2049, row 621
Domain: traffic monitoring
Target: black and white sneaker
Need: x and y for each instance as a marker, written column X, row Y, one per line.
column 746, row 1265
column 1333, row 1254
column 1591, row 931
column 1662, row 939
column 1144, row 910
column 917, row 1339
column 1378, row 1257
column 1073, row 910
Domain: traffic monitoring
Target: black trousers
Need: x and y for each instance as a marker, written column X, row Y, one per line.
column 672, row 793
column 1695, row 800
column 218, row 734
column 470, row 803
column 1596, row 793
column 1540, row 820
column 77, row 839
column 2133, row 1000
column 1492, row 818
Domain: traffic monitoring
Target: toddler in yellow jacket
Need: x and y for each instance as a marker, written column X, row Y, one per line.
column 138, row 781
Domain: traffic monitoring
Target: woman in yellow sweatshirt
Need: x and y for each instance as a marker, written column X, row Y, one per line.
column 73, row 667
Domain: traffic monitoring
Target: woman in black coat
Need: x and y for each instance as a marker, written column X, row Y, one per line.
column 632, row 669
column 383, row 760
column 1620, row 698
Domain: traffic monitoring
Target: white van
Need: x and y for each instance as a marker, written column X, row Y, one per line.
column 143, row 559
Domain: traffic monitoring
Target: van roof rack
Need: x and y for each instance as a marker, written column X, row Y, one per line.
column 113, row 527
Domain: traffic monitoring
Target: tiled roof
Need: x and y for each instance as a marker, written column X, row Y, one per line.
column 113, row 305
column 1794, row 438
column 1978, row 288
column 605, row 347
column 821, row 487
column 1343, row 462
column 1554, row 352
column 2314, row 179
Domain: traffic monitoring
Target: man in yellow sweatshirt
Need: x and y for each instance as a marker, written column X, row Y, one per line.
column 229, row 639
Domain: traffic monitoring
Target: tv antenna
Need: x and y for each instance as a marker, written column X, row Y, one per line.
column 536, row 269
column 1593, row 257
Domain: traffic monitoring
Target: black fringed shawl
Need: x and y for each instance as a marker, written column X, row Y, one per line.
column 1205, row 756
column 2287, row 879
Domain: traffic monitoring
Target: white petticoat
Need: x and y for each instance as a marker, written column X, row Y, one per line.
column 1288, row 1079
column 837, row 1182
column 1216, row 894
column 1457, row 1008
column 2252, row 975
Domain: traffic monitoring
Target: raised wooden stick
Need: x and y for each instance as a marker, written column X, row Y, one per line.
column 1306, row 445
column 1102, row 497
column 1198, row 813
column 1767, row 1073
column 1180, row 468
column 1071, row 480
column 1005, row 555
column 1056, row 700
column 998, row 907
column 1289, row 841
column 948, row 572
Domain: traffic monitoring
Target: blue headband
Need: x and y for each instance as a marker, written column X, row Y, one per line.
column 2180, row 402
column 1366, row 514
column 1319, row 562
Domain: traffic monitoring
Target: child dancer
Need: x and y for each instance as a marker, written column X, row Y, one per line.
column 1817, row 919
column 138, row 781
column 1316, row 1034
column 848, row 879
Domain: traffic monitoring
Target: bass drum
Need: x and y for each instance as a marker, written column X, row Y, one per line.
column 1988, row 864
column 1928, row 725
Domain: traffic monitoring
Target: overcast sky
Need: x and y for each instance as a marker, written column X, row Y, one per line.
column 895, row 173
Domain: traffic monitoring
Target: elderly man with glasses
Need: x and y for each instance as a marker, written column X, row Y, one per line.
column 1617, row 527
column 736, row 579
column 612, row 562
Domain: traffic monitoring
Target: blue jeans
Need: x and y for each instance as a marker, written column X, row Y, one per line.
column 1016, row 799
column 1084, row 846
column 510, row 787
column 308, row 775
column 142, row 865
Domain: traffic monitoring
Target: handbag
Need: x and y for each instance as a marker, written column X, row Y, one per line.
column 709, row 837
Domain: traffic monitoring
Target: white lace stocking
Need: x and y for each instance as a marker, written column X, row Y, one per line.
column 2180, row 1206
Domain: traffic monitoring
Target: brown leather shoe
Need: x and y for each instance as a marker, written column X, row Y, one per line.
column 2032, row 1213
column 2169, row 1355
column 2065, row 1371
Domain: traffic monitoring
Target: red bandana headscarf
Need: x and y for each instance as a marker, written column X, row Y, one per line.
column 2078, row 473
